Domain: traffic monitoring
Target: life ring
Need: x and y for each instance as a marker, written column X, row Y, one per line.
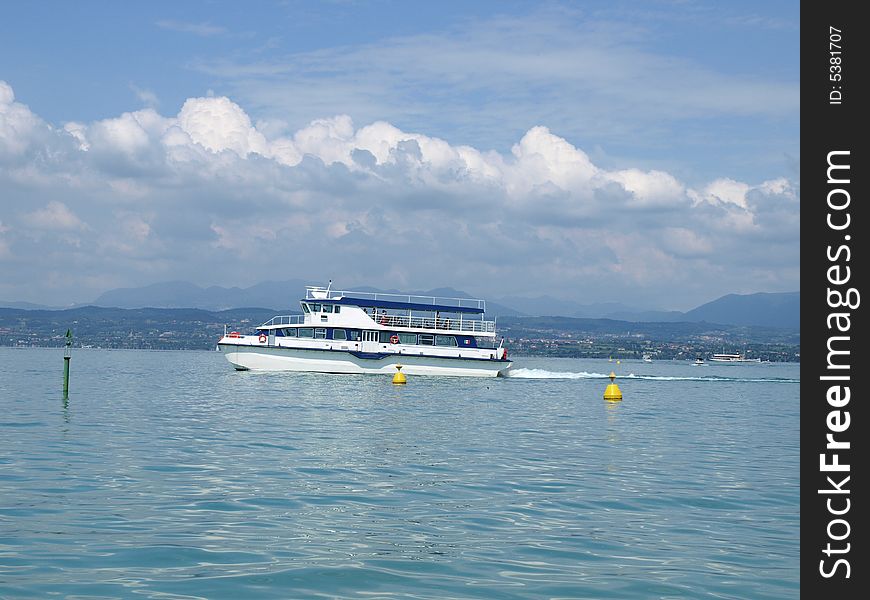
column 263, row 338
column 394, row 339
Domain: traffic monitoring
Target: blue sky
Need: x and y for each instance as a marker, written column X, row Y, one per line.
column 587, row 150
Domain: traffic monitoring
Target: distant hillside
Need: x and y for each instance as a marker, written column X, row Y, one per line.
column 268, row 294
column 25, row 305
column 163, row 328
column 661, row 331
column 181, row 294
column 762, row 310
column 547, row 306
column 648, row 316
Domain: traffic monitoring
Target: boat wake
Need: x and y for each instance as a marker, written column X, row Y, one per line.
column 544, row 374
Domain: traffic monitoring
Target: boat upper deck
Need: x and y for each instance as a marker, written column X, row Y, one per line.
column 396, row 301
column 322, row 307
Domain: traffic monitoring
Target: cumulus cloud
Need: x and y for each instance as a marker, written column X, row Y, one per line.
column 206, row 195
column 650, row 187
column 20, row 129
column 604, row 74
column 723, row 191
column 220, row 124
column 54, row 216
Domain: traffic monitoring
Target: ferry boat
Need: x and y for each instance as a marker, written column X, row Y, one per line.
column 733, row 358
column 362, row 332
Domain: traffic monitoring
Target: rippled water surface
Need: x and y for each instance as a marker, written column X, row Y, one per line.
column 170, row 475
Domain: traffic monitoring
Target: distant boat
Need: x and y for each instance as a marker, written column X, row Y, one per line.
column 647, row 358
column 733, row 358
column 699, row 362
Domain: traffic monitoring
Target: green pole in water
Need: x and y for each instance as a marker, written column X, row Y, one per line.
column 67, row 354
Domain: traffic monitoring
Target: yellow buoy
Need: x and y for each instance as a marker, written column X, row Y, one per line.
column 612, row 392
column 399, row 377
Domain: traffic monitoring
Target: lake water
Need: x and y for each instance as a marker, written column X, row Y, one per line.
column 170, row 475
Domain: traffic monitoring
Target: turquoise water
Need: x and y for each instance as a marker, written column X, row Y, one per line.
column 170, row 475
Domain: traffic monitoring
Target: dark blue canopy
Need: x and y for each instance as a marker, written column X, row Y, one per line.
column 369, row 302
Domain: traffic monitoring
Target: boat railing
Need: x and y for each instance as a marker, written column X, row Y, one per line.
column 471, row 325
column 284, row 320
column 321, row 293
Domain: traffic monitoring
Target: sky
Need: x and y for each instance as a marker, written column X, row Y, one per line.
column 637, row 152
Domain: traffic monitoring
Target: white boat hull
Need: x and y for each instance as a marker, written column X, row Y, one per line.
column 271, row 358
column 735, row 360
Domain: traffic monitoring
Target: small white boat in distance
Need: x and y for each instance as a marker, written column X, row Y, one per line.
column 362, row 332
column 732, row 358
column 699, row 362
column 647, row 358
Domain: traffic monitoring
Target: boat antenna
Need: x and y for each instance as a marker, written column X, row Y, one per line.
column 327, row 288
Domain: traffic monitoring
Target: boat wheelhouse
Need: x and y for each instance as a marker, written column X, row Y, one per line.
column 362, row 332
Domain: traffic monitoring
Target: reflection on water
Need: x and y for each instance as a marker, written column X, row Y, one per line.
column 168, row 474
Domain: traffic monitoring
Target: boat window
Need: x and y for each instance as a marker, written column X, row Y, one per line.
column 337, row 308
column 290, row 332
column 315, row 307
column 327, row 308
column 339, row 334
column 306, row 332
column 384, row 337
column 354, row 335
column 320, row 333
column 408, row 338
column 485, row 342
column 427, row 339
column 305, row 308
column 445, row 340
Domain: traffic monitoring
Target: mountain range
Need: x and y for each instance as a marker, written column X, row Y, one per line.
column 759, row 309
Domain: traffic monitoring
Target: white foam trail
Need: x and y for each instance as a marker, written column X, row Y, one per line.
column 544, row 374
column 712, row 378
